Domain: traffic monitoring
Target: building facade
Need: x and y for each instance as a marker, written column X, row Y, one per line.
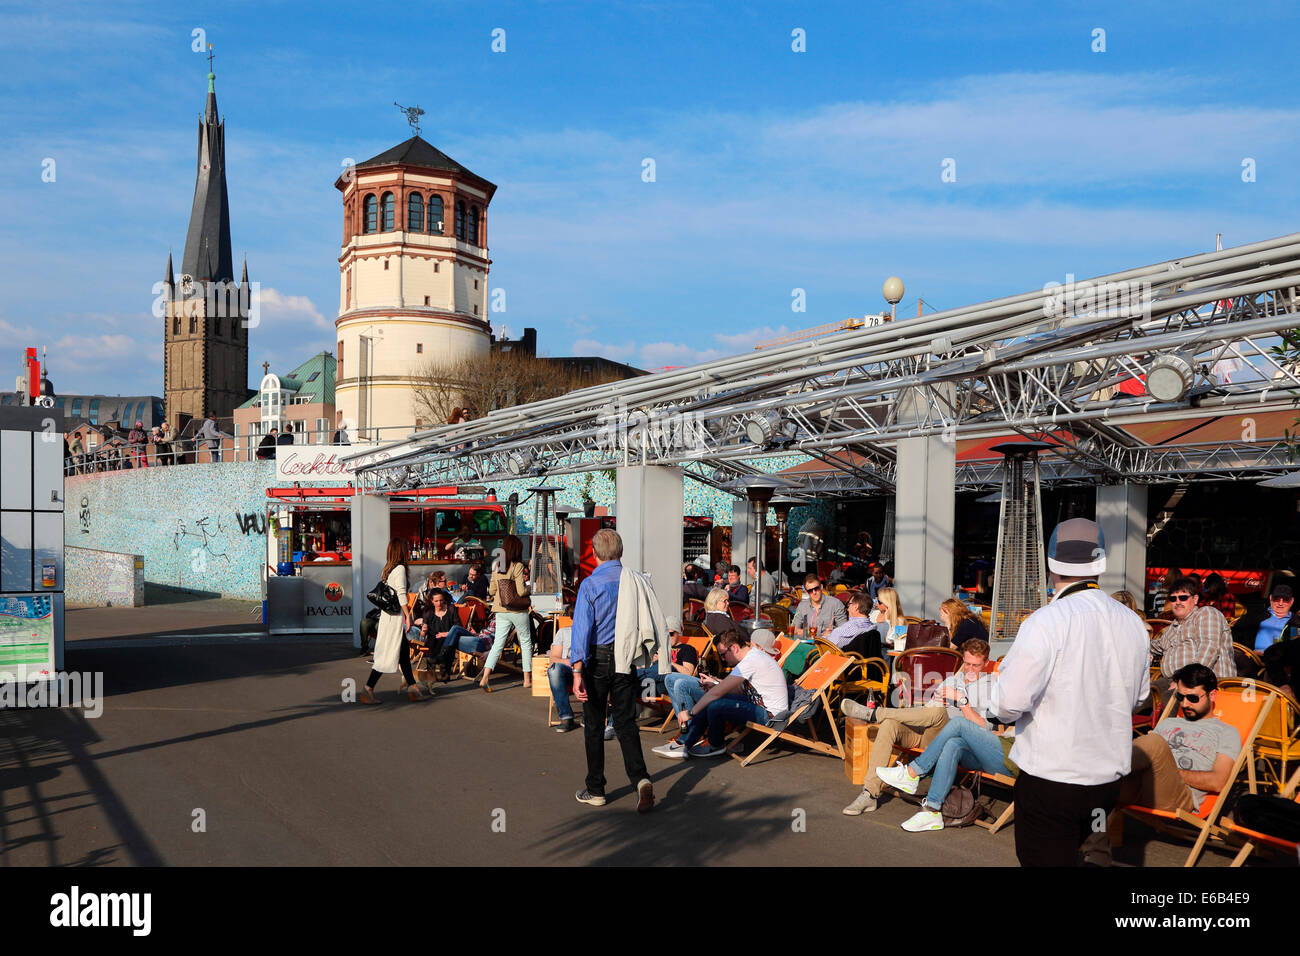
column 205, row 334
column 413, row 280
column 300, row 403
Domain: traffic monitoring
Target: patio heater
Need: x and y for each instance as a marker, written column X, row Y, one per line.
column 759, row 489
column 544, row 553
column 1019, row 572
column 782, row 504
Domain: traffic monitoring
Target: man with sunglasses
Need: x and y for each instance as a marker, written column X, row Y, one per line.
column 1183, row 760
column 816, row 610
column 859, row 633
column 1198, row 635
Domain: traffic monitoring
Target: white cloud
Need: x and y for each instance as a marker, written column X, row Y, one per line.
column 741, row 341
column 280, row 309
column 618, row 353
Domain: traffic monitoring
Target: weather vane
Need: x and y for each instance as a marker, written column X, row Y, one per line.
column 210, row 56
column 413, row 114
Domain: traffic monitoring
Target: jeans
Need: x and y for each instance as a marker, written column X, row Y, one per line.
column 523, row 628
column 606, row 689
column 962, row 742
column 684, row 691
column 561, row 678
column 734, row 708
column 650, row 682
column 459, row 639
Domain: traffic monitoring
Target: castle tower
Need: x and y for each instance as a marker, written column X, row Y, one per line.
column 413, row 276
column 205, row 341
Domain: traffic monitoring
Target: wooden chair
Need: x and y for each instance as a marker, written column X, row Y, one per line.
column 1255, row 840
column 818, row 679
column 473, row 613
column 740, row 611
column 1247, row 661
column 1247, row 713
column 912, row 667
column 779, row 616
column 692, row 610
column 1157, row 625
column 845, row 596
column 1278, row 740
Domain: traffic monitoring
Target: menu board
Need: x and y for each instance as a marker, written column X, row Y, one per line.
column 26, row 637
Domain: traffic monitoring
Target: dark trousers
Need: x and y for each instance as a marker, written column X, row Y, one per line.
column 403, row 662
column 1053, row 819
column 619, row 691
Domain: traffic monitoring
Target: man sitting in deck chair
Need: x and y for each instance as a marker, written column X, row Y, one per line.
column 1182, row 761
column 754, row 691
column 964, row 694
column 859, row 633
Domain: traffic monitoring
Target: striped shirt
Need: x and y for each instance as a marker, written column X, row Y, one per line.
column 1203, row 637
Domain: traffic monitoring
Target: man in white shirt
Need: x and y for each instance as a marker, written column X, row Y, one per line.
column 966, row 693
column 754, row 690
column 1070, row 683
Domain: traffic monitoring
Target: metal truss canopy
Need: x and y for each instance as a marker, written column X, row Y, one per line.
column 1046, row 362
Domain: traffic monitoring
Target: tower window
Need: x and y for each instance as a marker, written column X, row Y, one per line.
column 476, row 284
column 471, row 231
column 338, row 363
column 426, row 300
column 415, row 213
column 385, row 265
column 476, row 310
column 435, row 267
column 460, row 219
column 176, row 325
column 194, row 323
column 217, row 326
column 435, row 215
column 388, row 206
column 371, row 220
column 419, row 348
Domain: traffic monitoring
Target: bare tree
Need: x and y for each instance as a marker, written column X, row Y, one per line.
column 500, row 380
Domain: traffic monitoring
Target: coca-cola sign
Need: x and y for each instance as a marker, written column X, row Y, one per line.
column 313, row 462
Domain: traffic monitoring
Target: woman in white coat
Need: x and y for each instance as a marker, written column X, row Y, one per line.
column 392, row 650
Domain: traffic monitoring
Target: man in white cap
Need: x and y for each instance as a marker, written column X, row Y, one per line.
column 1070, row 683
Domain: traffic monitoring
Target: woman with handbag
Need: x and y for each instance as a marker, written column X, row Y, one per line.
column 510, row 604
column 392, row 650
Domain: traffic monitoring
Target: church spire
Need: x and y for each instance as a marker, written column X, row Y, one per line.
column 207, row 243
column 170, row 278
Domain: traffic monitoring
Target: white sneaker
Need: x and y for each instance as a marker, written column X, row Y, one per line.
column 898, row 778
column 865, row 803
column 673, row 750
column 924, row 820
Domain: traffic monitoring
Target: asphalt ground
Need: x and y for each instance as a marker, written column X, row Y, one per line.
column 250, row 737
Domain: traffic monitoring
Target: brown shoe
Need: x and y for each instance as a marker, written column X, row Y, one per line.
column 366, row 696
column 645, row 792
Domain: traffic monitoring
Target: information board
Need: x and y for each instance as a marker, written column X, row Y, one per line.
column 26, row 637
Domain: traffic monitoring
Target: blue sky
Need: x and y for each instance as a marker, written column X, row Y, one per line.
column 775, row 170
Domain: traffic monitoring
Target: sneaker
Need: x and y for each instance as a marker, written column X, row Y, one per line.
column 706, row 749
column 645, row 793
column 609, row 732
column 566, row 726
column 865, row 803
column 673, row 750
column 898, row 778
column 851, row 708
column 923, row 820
column 591, row 799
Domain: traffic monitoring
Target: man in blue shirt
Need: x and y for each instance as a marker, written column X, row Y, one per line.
column 595, row 683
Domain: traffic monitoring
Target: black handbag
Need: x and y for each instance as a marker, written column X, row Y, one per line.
column 384, row 597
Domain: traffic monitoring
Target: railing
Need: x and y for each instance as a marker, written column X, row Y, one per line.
column 188, row 451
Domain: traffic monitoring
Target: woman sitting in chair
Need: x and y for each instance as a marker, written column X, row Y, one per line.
column 961, row 622
column 716, row 618
column 888, row 617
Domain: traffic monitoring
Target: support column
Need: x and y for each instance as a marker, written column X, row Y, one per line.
column 1122, row 515
column 924, row 519
column 371, row 532
column 649, row 507
column 742, row 534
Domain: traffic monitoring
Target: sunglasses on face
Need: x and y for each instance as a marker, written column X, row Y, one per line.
column 1281, row 600
column 812, row 590
column 1180, row 598
column 1190, row 698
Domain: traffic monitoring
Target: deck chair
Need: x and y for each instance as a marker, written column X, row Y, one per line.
column 1247, row 712
column 561, row 621
column 693, row 610
column 819, row 679
column 740, row 612
column 473, row 613
column 1248, row 663
column 1157, row 624
column 1277, row 746
column 1255, row 840
column 703, row 647
column 845, row 596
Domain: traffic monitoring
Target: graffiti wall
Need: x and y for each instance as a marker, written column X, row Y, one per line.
column 199, row 527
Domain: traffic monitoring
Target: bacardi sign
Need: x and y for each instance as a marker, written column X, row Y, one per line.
column 313, row 462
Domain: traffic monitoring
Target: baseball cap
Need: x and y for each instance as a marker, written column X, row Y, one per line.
column 1077, row 549
column 1282, row 591
column 762, row 637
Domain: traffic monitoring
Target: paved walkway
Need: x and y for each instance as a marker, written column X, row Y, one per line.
column 250, row 737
